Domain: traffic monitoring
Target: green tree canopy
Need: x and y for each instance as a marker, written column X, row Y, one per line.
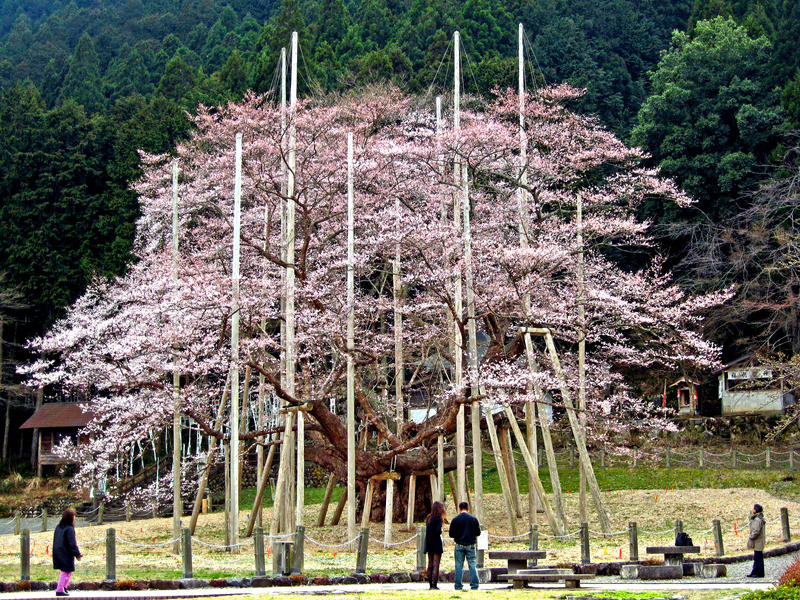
column 712, row 118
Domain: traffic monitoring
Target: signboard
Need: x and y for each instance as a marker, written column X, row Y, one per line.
column 483, row 540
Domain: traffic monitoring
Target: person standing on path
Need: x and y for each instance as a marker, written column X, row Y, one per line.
column 65, row 550
column 465, row 529
column 758, row 535
column 433, row 542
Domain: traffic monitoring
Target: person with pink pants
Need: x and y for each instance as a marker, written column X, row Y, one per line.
column 65, row 550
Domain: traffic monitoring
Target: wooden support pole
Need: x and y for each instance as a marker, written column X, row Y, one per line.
column 233, row 421
column 421, row 548
column 258, row 501
column 350, row 417
column 633, row 541
column 177, row 502
column 586, row 556
column 387, row 517
column 298, row 553
column 434, row 488
column 412, row 492
column 533, row 544
column 25, row 555
column 363, row 547
column 323, row 511
column 511, row 468
column 577, row 432
column 787, row 535
column 719, row 548
column 111, row 554
column 547, row 440
column 188, row 572
column 367, row 505
column 258, row 551
column 440, row 467
column 212, row 446
column 452, row 481
column 337, row 514
column 501, row 471
column 555, row 525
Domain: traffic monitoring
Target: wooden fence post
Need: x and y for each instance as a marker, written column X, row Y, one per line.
column 111, row 554
column 44, row 519
column 533, row 544
column 25, row 555
column 791, row 459
column 187, row 553
column 101, row 513
column 586, row 556
column 719, row 548
column 602, row 457
column 787, row 535
column 678, row 527
column 633, row 540
column 635, row 458
column 667, row 456
column 421, row 548
column 17, row 523
column 701, row 458
column 767, row 458
column 361, row 557
column 128, row 513
column 298, row 555
column 571, row 457
column 258, row 550
column 733, row 456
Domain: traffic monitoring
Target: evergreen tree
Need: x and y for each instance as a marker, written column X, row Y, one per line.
column 82, row 81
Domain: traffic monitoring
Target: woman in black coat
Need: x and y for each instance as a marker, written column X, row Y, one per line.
column 433, row 542
column 65, row 550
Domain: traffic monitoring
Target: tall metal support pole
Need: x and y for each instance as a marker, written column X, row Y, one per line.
column 440, row 168
column 233, row 424
column 397, row 292
column 582, row 511
column 458, row 354
column 351, row 410
column 177, row 504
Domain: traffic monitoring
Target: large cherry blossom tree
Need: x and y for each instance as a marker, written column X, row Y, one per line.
column 122, row 340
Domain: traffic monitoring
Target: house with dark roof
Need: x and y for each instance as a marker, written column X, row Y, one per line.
column 57, row 422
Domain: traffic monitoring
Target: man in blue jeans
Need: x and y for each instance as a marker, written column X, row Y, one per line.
column 465, row 529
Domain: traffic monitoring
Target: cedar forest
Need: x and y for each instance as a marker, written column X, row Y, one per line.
column 709, row 89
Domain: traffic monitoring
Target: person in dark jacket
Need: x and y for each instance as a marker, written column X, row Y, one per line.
column 65, row 550
column 756, row 540
column 433, row 542
column 465, row 529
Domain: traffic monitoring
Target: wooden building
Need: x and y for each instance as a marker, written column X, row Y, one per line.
column 745, row 387
column 56, row 422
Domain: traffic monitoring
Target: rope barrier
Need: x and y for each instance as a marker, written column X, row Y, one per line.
column 315, row 542
column 167, row 543
column 510, row 537
column 222, row 546
column 390, row 545
column 610, row 534
column 560, row 537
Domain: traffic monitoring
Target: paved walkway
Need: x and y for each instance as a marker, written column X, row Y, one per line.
column 322, row 590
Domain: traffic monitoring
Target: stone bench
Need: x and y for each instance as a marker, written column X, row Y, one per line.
column 711, row 571
column 673, row 555
column 517, row 559
column 522, row 580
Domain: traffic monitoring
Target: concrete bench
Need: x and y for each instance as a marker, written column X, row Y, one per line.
column 522, row 580
column 517, row 559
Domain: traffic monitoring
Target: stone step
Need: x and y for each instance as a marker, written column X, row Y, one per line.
column 713, row 571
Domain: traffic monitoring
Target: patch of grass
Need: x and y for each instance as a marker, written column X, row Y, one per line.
column 312, row 496
column 643, row 477
column 616, row 594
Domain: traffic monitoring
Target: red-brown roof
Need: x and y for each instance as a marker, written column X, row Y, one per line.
column 57, row 415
